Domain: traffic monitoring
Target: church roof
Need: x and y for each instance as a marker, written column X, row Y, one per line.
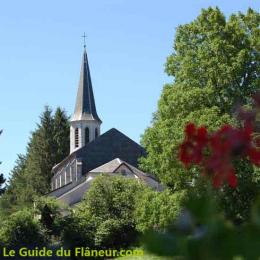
column 85, row 108
column 110, row 166
column 113, row 166
column 108, row 146
column 74, row 192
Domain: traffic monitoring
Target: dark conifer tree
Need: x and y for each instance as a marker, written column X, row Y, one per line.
column 31, row 176
column 61, row 134
column 14, row 194
column 2, row 179
column 41, row 154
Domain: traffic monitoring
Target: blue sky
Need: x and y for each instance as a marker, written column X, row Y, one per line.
column 128, row 42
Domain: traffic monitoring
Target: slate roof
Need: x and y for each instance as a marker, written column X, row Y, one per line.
column 74, row 192
column 85, row 108
column 112, row 166
column 108, row 146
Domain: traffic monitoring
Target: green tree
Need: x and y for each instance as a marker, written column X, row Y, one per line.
column 215, row 65
column 48, row 146
column 61, row 134
column 79, row 228
column 237, row 203
column 31, row 176
column 21, row 229
column 2, row 179
column 202, row 232
column 158, row 210
column 105, row 218
column 50, row 213
column 112, row 197
column 178, row 106
column 41, row 154
column 12, row 199
column 219, row 53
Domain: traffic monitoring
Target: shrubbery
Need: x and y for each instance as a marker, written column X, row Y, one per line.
column 22, row 229
column 158, row 211
column 114, row 213
column 105, row 218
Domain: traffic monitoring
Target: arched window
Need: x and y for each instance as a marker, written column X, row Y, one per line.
column 96, row 133
column 76, row 137
column 86, row 135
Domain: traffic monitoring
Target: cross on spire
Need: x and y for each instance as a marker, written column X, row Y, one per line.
column 84, row 36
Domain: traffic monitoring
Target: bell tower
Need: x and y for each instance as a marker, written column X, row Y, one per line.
column 85, row 123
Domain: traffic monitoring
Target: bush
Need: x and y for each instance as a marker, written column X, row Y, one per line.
column 158, row 210
column 50, row 214
column 114, row 233
column 79, row 229
column 105, row 218
column 22, row 229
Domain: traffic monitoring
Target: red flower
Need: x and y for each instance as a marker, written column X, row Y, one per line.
column 229, row 176
column 192, row 148
column 224, row 172
column 225, row 145
column 254, row 156
column 232, row 180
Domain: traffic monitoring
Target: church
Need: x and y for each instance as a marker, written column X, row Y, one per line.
column 92, row 153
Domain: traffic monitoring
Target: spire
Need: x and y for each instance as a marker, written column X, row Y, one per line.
column 85, row 108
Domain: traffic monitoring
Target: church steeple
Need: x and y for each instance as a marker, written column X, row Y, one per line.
column 85, row 108
column 85, row 122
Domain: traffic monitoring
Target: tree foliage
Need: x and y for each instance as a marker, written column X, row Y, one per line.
column 31, row 174
column 78, row 230
column 105, row 218
column 178, row 106
column 21, row 229
column 14, row 200
column 158, row 210
column 215, row 65
column 202, row 232
column 46, row 148
column 219, row 53
column 2, row 179
column 50, row 211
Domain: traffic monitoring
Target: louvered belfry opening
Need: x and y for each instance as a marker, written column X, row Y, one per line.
column 76, row 138
column 86, row 135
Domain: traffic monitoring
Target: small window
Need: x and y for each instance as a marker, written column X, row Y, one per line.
column 123, row 172
column 96, row 133
column 70, row 174
column 86, row 135
column 76, row 137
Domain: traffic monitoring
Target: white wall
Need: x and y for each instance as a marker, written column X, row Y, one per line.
column 81, row 125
